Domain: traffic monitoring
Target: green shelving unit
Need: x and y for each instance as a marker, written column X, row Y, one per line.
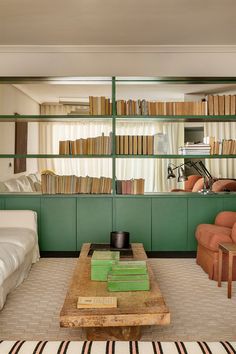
column 161, row 221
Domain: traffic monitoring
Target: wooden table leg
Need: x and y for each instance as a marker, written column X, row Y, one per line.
column 113, row 333
column 220, row 266
column 230, row 271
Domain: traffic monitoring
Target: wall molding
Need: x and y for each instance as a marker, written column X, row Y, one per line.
column 117, row 49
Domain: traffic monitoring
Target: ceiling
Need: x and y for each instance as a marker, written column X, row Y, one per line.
column 117, row 22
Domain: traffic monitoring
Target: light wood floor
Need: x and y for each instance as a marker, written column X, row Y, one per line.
column 199, row 309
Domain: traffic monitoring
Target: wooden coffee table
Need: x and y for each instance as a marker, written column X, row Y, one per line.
column 135, row 308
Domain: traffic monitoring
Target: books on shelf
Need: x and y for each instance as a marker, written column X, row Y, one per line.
column 221, row 104
column 134, row 144
column 154, row 108
column 195, row 149
column 100, row 145
column 131, row 186
column 221, row 147
column 99, row 106
column 63, row 184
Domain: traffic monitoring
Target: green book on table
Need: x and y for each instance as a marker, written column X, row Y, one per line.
column 136, row 282
column 129, row 267
column 101, row 264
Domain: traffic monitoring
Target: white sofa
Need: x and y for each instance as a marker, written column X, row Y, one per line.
column 18, row 248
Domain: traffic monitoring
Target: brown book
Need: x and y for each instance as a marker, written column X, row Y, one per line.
column 103, row 105
column 121, row 144
column 62, row 147
column 126, row 144
column 117, row 144
column 210, row 103
column 216, row 105
column 135, row 144
column 95, row 106
column 221, row 105
column 128, row 186
column 227, row 104
column 73, row 147
column 232, row 105
column 140, row 143
column 130, row 145
column 150, row 141
column 144, row 144
column 91, row 105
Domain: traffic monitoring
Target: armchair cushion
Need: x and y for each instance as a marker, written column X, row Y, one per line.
column 226, row 218
column 210, row 236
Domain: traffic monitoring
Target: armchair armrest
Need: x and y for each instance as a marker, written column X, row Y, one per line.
column 226, row 218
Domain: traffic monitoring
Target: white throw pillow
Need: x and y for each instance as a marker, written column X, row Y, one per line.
column 24, row 184
column 12, row 185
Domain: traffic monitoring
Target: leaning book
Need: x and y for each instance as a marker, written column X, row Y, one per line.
column 85, row 302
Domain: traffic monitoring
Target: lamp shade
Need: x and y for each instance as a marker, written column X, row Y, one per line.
column 170, row 173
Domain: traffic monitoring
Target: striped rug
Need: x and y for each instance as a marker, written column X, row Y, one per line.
column 88, row 347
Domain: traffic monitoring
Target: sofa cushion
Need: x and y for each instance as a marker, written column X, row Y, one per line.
column 3, row 187
column 210, row 236
column 22, row 237
column 11, row 256
column 24, row 184
column 12, row 185
column 198, row 185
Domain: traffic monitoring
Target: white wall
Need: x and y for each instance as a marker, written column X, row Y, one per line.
column 14, row 101
column 118, row 60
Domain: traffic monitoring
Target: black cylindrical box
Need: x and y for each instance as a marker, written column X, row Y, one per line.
column 119, row 239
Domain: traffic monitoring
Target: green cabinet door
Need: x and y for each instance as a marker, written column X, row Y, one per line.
column 94, row 220
column 229, row 203
column 58, row 224
column 133, row 214
column 2, row 203
column 201, row 210
column 169, row 224
column 17, row 202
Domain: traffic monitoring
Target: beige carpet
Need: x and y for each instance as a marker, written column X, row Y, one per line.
column 199, row 309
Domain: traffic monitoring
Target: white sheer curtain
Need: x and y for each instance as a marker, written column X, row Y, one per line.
column 51, row 133
column 154, row 171
column 221, row 168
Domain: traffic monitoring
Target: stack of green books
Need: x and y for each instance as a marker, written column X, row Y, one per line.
column 128, row 276
column 101, row 264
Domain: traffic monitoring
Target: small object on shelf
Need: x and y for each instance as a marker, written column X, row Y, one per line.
column 101, row 264
column 94, row 302
column 119, row 239
column 137, row 282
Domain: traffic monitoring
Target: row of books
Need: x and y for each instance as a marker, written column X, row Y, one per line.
column 221, row 104
column 134, row 144
column 131, row 186
column 221, row 147
column 99, row 106
column 195, row 149
column 144, row 107
column 213, row 105
column 60, row 184
column 100, row 145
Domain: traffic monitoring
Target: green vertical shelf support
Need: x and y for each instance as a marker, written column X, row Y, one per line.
column 113, row 135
